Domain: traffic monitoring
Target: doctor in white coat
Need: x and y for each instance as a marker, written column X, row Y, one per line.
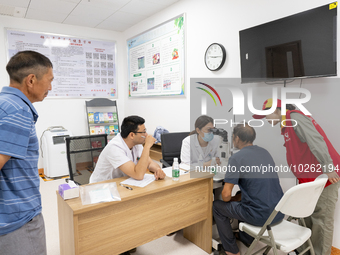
column 200, row 142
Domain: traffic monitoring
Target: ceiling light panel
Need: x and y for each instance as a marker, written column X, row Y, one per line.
column 141, row 8
column 46, row 15
column 55, row 6
column 162, row 2
column 127, row 18
column 71, row 1
column 96, row 12
column 84, row 21
column 106, row 3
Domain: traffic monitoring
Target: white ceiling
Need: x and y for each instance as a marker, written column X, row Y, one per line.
column 116, row 15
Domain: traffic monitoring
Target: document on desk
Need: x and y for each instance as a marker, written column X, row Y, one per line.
column 148, row 178
column 168, row 171
column 185, row 167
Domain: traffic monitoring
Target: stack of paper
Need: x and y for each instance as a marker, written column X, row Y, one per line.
column 168, row 171
column 185, row 167
column 148, row 178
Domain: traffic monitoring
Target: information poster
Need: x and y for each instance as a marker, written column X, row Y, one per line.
column 156, row 58
column 81, row 67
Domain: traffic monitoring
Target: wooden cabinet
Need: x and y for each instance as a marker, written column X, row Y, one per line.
column 156, row 151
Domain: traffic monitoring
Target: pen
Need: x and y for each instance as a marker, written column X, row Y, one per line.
column 125, row 186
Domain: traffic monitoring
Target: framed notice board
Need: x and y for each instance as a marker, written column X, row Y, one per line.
column 156, row 60
column 82, row 68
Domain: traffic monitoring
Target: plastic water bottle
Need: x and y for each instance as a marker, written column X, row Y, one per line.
column 200, row 163
column 213, row 168
column 175, row 170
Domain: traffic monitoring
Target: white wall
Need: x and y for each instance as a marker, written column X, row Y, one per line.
column 220, row 21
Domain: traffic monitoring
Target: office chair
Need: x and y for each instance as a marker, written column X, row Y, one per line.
column 82, row 155
column 299, row 202
column 171, row 147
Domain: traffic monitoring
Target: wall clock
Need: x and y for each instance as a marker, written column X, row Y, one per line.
column 215, row 57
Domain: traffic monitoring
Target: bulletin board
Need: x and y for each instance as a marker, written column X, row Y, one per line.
column 156, row 60
column 82, row 68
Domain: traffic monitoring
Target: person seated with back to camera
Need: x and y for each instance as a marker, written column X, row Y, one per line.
column 201, row 141
column 125, row 155
column 260, row 192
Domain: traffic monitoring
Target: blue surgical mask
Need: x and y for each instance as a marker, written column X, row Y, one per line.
column 208, row 137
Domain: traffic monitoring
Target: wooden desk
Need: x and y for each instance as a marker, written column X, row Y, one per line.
column 143, row 215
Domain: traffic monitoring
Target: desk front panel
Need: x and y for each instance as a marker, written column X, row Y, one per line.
column 129, row 224
column 143, row 215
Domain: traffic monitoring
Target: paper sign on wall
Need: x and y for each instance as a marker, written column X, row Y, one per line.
column 82, row 67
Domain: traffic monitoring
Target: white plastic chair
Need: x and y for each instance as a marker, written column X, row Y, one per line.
column 298, row 202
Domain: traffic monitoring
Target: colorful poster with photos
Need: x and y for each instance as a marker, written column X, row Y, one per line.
column 156, row 60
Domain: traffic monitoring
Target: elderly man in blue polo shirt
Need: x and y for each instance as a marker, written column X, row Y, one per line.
column 22, row 229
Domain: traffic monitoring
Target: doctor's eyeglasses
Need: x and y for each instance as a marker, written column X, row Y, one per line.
column 143, row 132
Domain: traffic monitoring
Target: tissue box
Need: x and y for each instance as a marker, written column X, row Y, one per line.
column 68, row 190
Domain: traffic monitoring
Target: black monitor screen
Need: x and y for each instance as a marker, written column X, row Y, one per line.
column 298, row 46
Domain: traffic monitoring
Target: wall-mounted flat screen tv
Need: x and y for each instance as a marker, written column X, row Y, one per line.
column 302, row 45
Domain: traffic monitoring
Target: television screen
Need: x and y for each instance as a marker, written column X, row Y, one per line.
column 302, row 45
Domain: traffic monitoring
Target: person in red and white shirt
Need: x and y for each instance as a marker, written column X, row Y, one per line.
column 310, row 154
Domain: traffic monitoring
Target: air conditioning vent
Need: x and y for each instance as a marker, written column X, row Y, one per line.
column 7, row 10
column 12, row 11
